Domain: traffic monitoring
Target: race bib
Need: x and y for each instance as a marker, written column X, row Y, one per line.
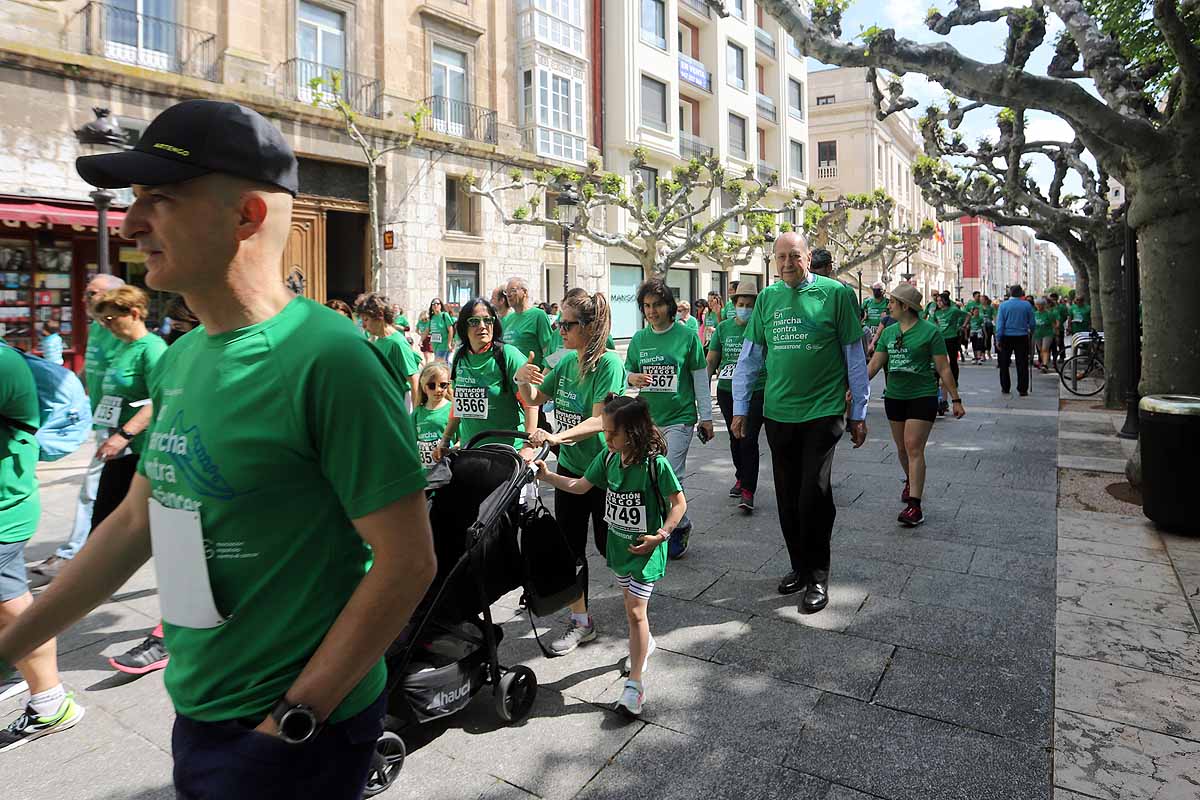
column 435, row 337
column 566, row 419
column 181, row 564
column 109, row 411
column 471, row 402
column 726, row 372
column 426, row 451
column 625, row 510
column 663, row 378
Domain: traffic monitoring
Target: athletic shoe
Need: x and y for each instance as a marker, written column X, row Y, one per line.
column 625, row 663
column 574, row 635
column 50, row 567
column 148, row 656
column 632, row 699
column 904, row 493
column 736, row 490
column 911, row 517
column 12, row 686
column 747, row 503
column 677, row 545
column 30, row 726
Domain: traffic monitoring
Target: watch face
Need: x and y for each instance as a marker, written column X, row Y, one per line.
column 297, row 725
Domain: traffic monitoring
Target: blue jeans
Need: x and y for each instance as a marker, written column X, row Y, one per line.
column 87, row 499
column 231, row 761
column 679, row 439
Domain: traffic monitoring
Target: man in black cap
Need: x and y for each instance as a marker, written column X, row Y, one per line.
column 280, row 489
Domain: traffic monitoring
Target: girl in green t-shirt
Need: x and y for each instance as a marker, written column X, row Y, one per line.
column 432, row 413
column 643, row 502
column 441, row 331
column 423, row 338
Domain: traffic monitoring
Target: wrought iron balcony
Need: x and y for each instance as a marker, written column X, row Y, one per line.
column 693, row 147
column 764, row 171
column 119, row 34
column 295, row 79
column 463, row 120
column 765, row 42
column 766, row 108
column 694, row 72
column 699, row 6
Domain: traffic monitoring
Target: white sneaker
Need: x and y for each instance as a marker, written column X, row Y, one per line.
column 573, row 636
column 12, row 686
column 625, row 663
column 632, row 699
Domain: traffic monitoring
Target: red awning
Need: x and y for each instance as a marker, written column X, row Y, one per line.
column 49, row 214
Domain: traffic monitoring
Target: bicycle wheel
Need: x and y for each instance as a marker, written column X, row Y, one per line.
column 1083, row 375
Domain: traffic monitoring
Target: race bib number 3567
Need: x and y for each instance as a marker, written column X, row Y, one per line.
column 625, row 510
column 663, row 378
column 470, row 402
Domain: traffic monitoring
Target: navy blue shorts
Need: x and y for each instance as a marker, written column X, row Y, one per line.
column 231, row 761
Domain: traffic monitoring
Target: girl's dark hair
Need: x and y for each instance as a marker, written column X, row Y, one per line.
column 375, row 306
column 461, row 328
column 658, row 289
column 439, row 302
column 631, row 416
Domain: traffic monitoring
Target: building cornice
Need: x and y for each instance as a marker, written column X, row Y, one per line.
column 444, row 17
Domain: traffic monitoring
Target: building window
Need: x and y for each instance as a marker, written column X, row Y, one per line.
column 654, row 23
column 737, row 135
column 728, row 201
column 796, row 98
column 654, row 104
column 650, row 192
column 796, row 160
column 460, row 209
column 827, row 154
column 528, row 108
column 793, row 47
column 559, row 119
column 739, row 8
column 826, row 100
column 735, row 65
column 320, row 36
column 462, row 282
column 448, row 80
column 558, row 23
column 142, row 32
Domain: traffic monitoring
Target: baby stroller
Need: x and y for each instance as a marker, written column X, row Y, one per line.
column 448, row 652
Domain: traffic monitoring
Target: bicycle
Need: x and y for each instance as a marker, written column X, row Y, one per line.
column 1083, row 373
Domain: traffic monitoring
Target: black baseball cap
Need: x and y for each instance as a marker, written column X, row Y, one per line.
column 194, row 138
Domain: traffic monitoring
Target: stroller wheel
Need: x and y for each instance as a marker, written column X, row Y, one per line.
column 515, row 694
column 386, row 763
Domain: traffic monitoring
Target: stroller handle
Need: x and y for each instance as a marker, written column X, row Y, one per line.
column 545, row 451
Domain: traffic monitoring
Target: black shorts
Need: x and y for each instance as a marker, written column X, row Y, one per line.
column 922, row 408
column 977, row 340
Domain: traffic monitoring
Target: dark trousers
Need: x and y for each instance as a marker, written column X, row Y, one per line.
column 1014, row 347
column 952, row 351
column 115, row 479
column 745, row 450
column 802, row 457
column 231, row 761
column 573, row 512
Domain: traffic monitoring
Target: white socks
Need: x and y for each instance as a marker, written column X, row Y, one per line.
column 47, row 703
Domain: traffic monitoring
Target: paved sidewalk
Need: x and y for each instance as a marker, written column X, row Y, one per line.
column 930, row 675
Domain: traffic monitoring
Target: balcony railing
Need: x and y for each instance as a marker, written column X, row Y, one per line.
column 764, row 42
column 694, row 72
column 456, row 118
column 693, row 147
column 766, row 108
column 699, row 6
column 118, row 34
column 295, row 80
column 827, row 172
column 764, row 171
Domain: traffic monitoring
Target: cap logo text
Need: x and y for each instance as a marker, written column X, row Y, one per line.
column 179, row 151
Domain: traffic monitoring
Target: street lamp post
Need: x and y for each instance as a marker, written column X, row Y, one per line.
column 908, row 276
column 1133, row 337
column 958, row 278
column 568, row 214
column 860, row 294
column 102, row 134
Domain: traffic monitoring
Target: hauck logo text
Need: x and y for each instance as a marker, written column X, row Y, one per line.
column 444, row 698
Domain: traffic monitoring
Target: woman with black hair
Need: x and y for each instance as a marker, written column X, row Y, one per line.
column 442, row 329
column 483, row 374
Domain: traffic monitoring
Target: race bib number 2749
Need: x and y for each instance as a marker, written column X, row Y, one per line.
column 625, row 510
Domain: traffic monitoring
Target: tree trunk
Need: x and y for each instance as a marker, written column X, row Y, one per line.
column 1108, row 314
column 375, row 243
column 1083, row 283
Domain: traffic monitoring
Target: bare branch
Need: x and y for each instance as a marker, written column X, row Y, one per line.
column 967, row 12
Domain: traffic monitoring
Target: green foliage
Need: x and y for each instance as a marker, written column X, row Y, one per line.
column 652, row 214
column 535, row 201
column 1131, row 23
column 786, row 227
column 931, row 14
column 470, row 179
column 813, row 216
column 829, row 8
column 593, row 164
column 515, row 175
column 639, row 155
column 612, row 183
column 588, row 191
column 1007, row 115
column 928, row 228
column 521, row 212
column 541, row 175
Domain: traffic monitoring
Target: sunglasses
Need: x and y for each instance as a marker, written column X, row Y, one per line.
column 566, row 326
column 474, row 322
column 107, row 318
column 437, row 385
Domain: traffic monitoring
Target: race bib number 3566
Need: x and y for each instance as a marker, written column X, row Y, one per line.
column 625, row 510
column 663, row 378
column 470, row 402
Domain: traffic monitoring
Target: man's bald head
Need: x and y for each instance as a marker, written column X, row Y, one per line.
column 104, row 283
column 791, row 257
column 790, row 241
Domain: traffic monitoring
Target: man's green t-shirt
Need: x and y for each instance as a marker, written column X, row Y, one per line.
column 1043, row 324
column 277, row 435
column 632, row 509
column 728, row 312
column 669, row 358
column 20, row 505
column 1062, row 313
column 574, row 398
column 529, row 331
column 1081, row 318
column 803, row 331
column 971, row 305
column 100, row 343
column 480, row 401
column 399, row 353
column 691, row 324
column 126, row 380
column 727, row 340
column 874, row 310
column 440, row 326
column 910, row 369
column 949, row 320
column 430, row 427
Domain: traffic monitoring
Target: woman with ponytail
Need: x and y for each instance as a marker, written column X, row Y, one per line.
column 578, row 385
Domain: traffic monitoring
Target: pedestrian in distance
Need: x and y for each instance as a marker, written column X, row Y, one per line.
column 528, row 328
column 1014, row 323
column 666, row 363
column 975, row 324
column 950, row 321
column 684, row 317
column 1045, row 331
column 441, row 331
column 701, row 309
column 913, row 354
column 874, row 307
column 643, row 504
column 715, row 306
column 805, row 330
column 432, row 414
column 727, row 309
column 724, row 348
column 379, row 321
column 279, row 464
column 579, row 385
column 423, row 336
column 988, row 309
column 51, row 343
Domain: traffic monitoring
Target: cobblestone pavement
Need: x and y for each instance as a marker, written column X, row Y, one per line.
column 930, row 675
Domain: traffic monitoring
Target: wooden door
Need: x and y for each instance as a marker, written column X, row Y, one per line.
column 303, row 267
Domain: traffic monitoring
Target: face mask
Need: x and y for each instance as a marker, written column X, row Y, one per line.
column 743, row 314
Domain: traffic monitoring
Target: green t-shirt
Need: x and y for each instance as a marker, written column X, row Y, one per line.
column 277, row 435
column 874, row 310
column 100, row 343
column 976, row 322
column 440, row 326
column 480, row 402
column 632, row 509
column 430, row 427
column 971, row 305
column 1043, row 324
column 1081, row 319
column 803, row 331
column 669, row 359
column 574, row 398
column 529, row 331
column 728, row 312
column 402, row 322
column 127, row 379
column 1062, row 313
column 691, row 324
column 949, row 320
column 910, row 370
column 930, row 307
column 988, row 311
column 727, row 340
column 399, row 353
column 422, row 326
column 20, row 505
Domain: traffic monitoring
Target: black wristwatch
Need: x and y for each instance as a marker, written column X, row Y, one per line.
column 122, row 432
column 957, row 400
column 297, row 722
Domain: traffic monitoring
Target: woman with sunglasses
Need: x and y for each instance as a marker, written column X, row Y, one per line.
column 432, row 414
column 913, row 354
column 441, row 331
column 485, row 395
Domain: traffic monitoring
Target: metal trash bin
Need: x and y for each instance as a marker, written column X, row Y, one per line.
column 1170, row 439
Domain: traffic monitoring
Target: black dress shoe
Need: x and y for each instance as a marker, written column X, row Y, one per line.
column 792, row 582
column 817, row 596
